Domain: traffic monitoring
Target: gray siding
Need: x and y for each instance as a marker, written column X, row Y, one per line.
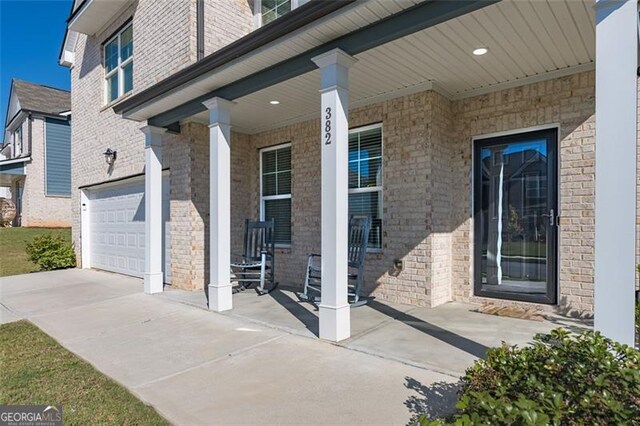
column 58, row 157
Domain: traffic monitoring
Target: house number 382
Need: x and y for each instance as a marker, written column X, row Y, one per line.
column 327, row 126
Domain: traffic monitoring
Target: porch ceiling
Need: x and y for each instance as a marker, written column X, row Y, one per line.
column 527, row 40
column 347, row 19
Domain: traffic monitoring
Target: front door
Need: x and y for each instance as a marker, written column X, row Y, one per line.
column 515, row 216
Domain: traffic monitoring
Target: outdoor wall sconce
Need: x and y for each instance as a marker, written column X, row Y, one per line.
column 398, row 264
column 110, row 156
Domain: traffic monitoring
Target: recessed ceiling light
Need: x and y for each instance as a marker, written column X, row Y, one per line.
column 274, row 102
column 480, row 51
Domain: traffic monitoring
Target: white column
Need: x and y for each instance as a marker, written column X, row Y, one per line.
column 219, row 204
column 153, row 277
column 335, row 319
column 615, row 201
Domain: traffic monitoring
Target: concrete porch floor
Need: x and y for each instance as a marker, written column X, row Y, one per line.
column 447, row 339
column 260, row 363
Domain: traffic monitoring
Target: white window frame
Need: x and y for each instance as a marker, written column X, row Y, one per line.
column 119, row 68
column 264, row 198
column 378, row 188
column 257, row 10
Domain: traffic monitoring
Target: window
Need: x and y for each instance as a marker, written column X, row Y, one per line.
column 273, row 9
column 365, row 178
column 535, row 186
column 269, row 10
column 118, row 64
column 275, row 190
column 17, row 142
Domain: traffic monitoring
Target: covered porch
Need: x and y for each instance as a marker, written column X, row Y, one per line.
column 12, row 178
column 446, row 339
column 437, row 76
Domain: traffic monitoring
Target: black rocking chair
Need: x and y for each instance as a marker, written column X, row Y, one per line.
column 257, row 263
column 359, row 227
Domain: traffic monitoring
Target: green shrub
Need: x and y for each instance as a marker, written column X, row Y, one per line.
column 562, row 379
column 51, row 252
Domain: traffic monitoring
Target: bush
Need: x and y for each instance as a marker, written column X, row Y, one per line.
column 51, row 252
column 562, row 379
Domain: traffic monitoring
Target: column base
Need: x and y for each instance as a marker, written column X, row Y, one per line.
column 335, row 322
column 153, row 282
column 220, row 298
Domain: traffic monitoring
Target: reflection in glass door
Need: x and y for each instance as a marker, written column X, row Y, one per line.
column 515, row 216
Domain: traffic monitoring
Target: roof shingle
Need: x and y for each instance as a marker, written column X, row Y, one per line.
column 39, row 98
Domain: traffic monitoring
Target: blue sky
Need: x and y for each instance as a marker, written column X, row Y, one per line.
column 30, row 37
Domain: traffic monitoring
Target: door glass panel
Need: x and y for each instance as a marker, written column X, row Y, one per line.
column 513, row 218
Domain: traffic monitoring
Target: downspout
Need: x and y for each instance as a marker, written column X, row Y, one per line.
column 200, row 29
column 29, row 131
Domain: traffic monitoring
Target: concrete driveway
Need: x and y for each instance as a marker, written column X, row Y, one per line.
column 199, row 367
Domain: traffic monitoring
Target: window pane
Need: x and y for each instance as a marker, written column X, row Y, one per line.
column 128, row 77
column 268, row 161
column 268, row 5
column 283, row 6
column 371, row 173
column 280, row 212
column 111, row 55
column 371, row 143
column 126, row 43
column 365, row 158
column 353, row 173
column 273, row 9
column 276, row 172
column 269, row 184
column 268, row 16
column 368, row 204
column 112, row 87
column 284, row 183
column 284, row 159
column 353, row 146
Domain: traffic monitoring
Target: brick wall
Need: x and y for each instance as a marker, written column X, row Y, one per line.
column 416, row 197
column 96, row 128
column 39, row 209
column 427, row 188
column 164, row 39
column 165, row 42
column 426, row 175
column 226, row 21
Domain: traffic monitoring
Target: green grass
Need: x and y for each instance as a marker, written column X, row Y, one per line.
column 37, row 370
column 13, row 241
column 528, row 248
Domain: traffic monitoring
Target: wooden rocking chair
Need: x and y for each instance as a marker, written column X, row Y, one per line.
column 257, row 262
column 359, row 227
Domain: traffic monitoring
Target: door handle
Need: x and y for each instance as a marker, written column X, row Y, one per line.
column 551, row 216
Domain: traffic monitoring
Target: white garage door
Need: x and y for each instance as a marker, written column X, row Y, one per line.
column 117, row 228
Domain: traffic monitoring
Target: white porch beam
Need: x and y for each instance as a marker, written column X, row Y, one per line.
column 219, row 204
column 153, row 276
column 615, row 199
column 335, row 317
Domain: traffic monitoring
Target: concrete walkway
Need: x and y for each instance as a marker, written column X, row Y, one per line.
column 446, row 339
column 198, row 367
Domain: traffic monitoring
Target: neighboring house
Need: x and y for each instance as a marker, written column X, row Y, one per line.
column 35, row 158
column 470, row 141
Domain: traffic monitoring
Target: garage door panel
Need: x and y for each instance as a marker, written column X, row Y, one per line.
column 117, row 229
